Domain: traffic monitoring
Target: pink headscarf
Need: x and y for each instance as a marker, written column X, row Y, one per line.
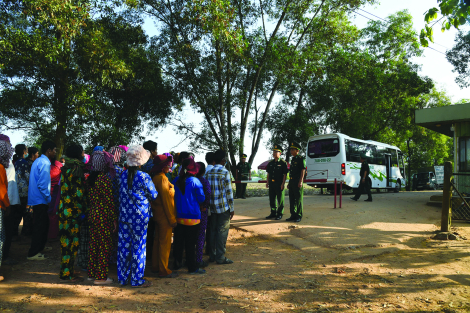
column 137, row 155
column 124, row 147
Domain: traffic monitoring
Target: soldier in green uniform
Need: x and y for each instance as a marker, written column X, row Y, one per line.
column 364, row 183
column 295, row 185
column 277, row 172
column 243, row 173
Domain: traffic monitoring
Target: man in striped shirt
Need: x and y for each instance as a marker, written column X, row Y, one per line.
column 221, row 208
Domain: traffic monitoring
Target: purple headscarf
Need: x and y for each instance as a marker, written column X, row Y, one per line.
column 102, row 161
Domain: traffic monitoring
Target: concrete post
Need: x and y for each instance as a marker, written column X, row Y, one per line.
column 446, row 198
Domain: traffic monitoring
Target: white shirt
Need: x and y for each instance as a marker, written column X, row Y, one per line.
column 13, row 195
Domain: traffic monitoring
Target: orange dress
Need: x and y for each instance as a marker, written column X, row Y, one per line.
column 4, row 201
column 164, row 215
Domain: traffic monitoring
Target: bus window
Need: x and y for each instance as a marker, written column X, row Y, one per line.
column 354, row 150
column 380, row 155
column 401, row 164
column 323, row 148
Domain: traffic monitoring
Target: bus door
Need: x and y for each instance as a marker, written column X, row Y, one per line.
column 388, row 169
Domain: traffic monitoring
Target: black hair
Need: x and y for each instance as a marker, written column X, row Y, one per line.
column 183, row 155
column 219, row 155
column 32, row 151
column 19, row 152
column 74, row 152
column 150, row 145
column 46, row 145
column 181, row 183
column 202, row 169
column 131, row 171
column 209, row 157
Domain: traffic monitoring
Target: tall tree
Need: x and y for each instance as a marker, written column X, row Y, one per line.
column 225, row 56
column 67, row 71
column 459, row 57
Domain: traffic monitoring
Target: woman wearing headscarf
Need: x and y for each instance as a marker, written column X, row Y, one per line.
column 6, row 151
column 164, row 215
column 176, row 170
column 119, row 160
column 189, row 194
column 72, row 209
column 102, row 216
column 135, row 193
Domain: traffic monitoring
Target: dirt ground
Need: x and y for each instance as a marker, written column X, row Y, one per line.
column 281, row 267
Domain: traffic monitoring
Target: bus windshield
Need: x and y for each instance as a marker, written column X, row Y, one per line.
column 323, row 148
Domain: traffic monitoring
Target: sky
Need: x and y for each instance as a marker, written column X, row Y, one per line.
column 434, row 65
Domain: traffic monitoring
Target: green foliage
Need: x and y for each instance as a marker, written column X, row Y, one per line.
column 459, row 57
column 70, row 74
column 454, row 14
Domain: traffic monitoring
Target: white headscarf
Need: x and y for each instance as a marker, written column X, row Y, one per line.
column 137, row 155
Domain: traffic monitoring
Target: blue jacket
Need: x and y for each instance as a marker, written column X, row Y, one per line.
column 187, row 205
column 39, row 191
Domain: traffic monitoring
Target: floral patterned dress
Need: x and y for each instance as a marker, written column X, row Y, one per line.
column 72, row 207
column 101, row 217
column 134, row 215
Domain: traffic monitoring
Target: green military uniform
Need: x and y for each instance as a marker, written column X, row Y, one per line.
column 244, row 169
column 364, row 186
column 296, row 194
column 276, row 170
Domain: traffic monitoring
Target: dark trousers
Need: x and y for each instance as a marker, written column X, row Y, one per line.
column 185, row 239
column 241, row 190
column 364, row 187
column 276, row 199
column 150, row 239
column 40, row 229
column 220, row 225
column 296, row 198
column 9, row 224
column 27, row 216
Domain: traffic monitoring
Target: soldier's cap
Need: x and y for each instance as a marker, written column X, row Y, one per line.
column 294, row 145
column 243, row 156
column 363, row 156
column 277, row 148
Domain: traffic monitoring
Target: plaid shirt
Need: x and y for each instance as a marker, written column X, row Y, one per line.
column 221, row 186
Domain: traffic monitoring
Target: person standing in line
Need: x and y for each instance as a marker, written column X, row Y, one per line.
column 55, row 199
column 23, row 169
column 135, row 194
column 295, row 185
column 9, row 220
column 39, row 197
column 277, row 173
column 364, row 183
column 72, row 211
column 210, row 164
column 189, row 195
column 119, row 160
column 222, row 210
column 243, row 173
column 164, row 215
column 6, row 151
column 205, row 208
column 151, row 146
column 102, row 216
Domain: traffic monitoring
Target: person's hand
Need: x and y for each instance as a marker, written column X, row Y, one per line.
column 203, row 209
column 173, row 225
column 363, row 179
column 232, row 214
column 115, row 226
column 282, row 187
column 300, row 184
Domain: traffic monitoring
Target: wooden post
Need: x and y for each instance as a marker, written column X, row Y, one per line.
column 446, row 198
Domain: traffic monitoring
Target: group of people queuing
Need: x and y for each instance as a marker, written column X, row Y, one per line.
column 123, row 206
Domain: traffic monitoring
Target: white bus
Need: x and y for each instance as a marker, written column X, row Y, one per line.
column 337, row 156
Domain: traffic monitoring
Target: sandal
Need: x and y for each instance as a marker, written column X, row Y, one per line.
column 198, row 271
column 107, row 281
column 146, row 284
column 225, row 261
column 37, row 257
